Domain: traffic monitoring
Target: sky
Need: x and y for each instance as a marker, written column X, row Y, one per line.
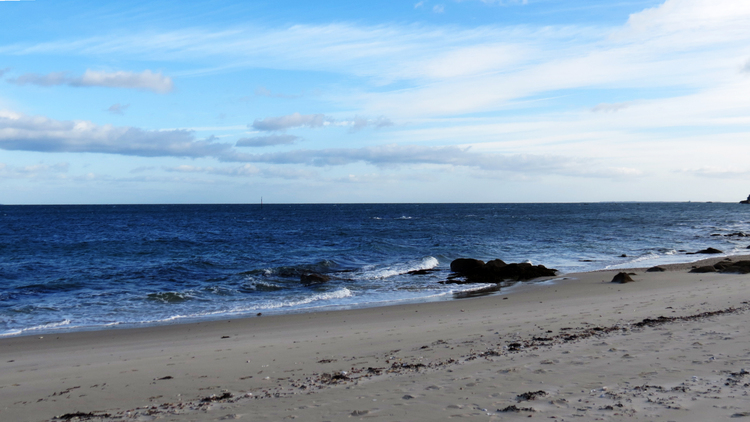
column 393, row 101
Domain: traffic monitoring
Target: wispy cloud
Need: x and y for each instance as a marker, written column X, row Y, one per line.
column 438, row 8
column 610, row 108
column 146, row 80
column 33, row 171
column 454, row 70
column 291, row 121
column 502, row 2
column 118, row 108
column 297, row 120
column 361, row 122
column 37, row 133
column 390, row 156
column 718, row 172
column 245, row 170
column 262, row 91
column 25, row 133
column 266, row 141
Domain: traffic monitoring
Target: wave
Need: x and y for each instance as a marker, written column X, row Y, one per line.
column 170, row 297
column 261, row 285
column 341, row 293
column 43, row 327
column 294, row 271
column 426, row 263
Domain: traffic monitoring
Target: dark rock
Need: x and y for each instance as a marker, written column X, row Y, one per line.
column 721, row 266
column 496, row 271
column 704, row 269
column 465, row 265
column 622, row 278
column 422, row 272
column 739, row 267
column 655, row 270
column 706, row 251
column 623, row 256
column 496, row 263
column 314, row 278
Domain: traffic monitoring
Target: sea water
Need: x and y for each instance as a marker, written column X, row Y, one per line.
column 99, row 266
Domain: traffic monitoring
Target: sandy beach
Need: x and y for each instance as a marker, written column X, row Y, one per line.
column 671, row 345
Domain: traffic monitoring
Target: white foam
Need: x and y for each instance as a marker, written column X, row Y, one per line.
column 426, row 263
column 336, row 294
column 473, row 288
column 50, row 326
column 255, row 284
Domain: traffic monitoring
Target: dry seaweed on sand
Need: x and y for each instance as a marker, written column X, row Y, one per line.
column 81, row 416
column 531, row 395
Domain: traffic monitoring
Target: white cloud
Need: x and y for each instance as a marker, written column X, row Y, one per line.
column 34, row 171
column 359, row 122
column 118, row 108
column 37, row 133
column 41, row 134
column 718, row 172
column 245, row 170
column 296, row 120
column 265, row 141
column 146, row 80
column 610, row 108
column 438, row 8
column 291, row 121
column 391, row 156
column 688, row 15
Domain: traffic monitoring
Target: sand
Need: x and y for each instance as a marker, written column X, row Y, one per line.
column 573, row 348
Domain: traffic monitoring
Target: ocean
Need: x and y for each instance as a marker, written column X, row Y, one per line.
column 83, row 267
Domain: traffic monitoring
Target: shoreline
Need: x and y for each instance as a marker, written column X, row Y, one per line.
column 468, row 294
column 187, row 370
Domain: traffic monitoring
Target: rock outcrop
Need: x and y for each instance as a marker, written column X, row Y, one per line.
column 728, row 267
column 622, row 278
column 704, row 269
column 467, row 270
column 706, row 251
column 314, row 278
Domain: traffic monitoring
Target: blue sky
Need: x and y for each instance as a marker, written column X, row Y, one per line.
column 418, row 101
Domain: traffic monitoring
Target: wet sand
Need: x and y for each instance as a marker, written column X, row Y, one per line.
column 575, row 348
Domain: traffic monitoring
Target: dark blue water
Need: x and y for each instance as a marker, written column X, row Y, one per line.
column 81, row 267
